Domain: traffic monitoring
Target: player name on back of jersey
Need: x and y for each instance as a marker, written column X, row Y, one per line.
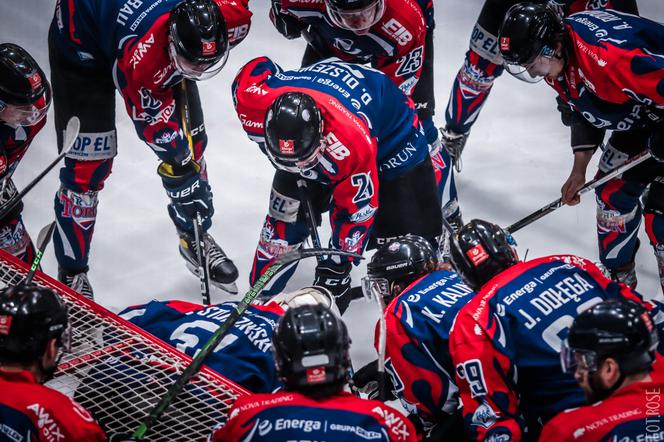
column 548, row 299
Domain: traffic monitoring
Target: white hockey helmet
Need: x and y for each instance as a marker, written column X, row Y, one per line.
column 307, row 296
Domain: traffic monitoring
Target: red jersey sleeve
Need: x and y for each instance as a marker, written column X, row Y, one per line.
column 350, row 160
column 403, row 22
column 485, row 376
column 238, row 19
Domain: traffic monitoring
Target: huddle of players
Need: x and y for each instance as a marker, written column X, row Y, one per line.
column 546, row 348
column 304, row 119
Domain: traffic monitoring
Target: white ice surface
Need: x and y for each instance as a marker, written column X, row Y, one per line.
column 516, row 159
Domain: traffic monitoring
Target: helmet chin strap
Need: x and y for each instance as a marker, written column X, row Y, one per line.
column 601, row 393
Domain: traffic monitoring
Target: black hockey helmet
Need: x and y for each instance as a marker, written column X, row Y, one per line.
column 30, row 316
column 311, row 350
column 355, row 15
column 25, row 94
column 528, row 30
column 480, row 251
column 198, row 39
column 396, row 264
column 621, row 329
column 293, row 132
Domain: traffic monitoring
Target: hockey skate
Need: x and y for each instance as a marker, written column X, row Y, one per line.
column 454, row 144
column 223, row 272
column 625, row 274
column 78, row 282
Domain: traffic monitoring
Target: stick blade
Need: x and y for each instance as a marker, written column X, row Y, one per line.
column 44, row 236
column 71, row 132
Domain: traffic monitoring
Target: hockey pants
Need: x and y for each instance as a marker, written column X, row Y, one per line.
column 408, row 204
column 620, row 205
column 88, row 92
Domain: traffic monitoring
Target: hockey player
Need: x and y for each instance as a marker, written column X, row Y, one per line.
column 311, row 349
column 33, row 333
column 422, row 302
column 611, row 350
column 245, row 354
column 609, row 67
column 349, row 135
column 25, row 97
column 483, row 64
column 506, row 341
column 150, row 51
column 395, row 36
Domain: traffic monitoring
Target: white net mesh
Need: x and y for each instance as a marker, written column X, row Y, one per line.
column 119, row 372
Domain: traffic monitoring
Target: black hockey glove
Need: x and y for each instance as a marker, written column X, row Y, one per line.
column 335, row 278
column 189, row 195
column 656, row 143
column 565, row 110
column 287, row 25
column 367, row 381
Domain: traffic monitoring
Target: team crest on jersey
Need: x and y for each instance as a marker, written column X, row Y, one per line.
column 477, row 255
column 484, row 416
column 5, row 324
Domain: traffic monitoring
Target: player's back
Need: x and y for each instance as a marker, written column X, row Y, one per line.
column 363, row 92
column 526, row 311
column 426, row 310
column 631, row 413
column 288, row 416
column 32, row 412
column 244, row 355
column 100, row 27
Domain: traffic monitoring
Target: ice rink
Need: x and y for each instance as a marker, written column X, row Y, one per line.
column 516, row 160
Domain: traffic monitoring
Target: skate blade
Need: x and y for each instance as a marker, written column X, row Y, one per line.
column 228, row 287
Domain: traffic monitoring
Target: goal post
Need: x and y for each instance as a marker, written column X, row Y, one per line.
column 118, row 371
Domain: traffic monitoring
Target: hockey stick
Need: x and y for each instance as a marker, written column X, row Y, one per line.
column 315, row 239
column 203, row 271
column 590, row 185
column 201, row 254
column 219, row 334
column 43, row 239
column 71, row 133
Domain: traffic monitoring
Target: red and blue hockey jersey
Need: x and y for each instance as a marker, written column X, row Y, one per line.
column 243, row 356
column 614, row 75
column 394, row 45
column 506, row 343
column 14, row 142
column 31, row 412
column 370, row 128
column 631, row 413
column 130, row 39
column 290, row 416
column 417, row 355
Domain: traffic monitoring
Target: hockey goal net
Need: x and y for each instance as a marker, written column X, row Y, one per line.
column 118, row 372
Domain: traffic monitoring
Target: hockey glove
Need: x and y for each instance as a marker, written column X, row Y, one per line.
column 565, row 110
column 287, row 25
column 189, row 194
column 367, row 381
column 656, row 143
column 335, row 278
